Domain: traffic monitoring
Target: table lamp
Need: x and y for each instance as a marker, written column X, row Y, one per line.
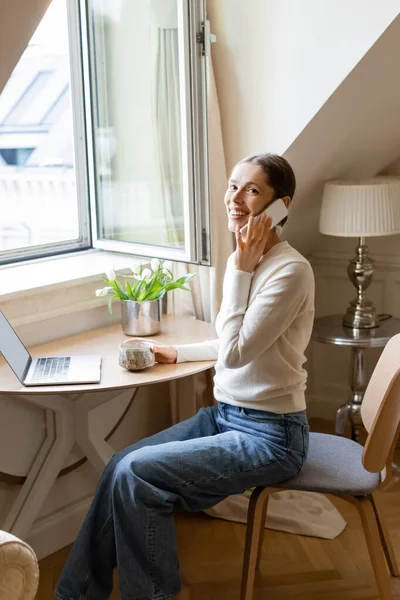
column 362, row 208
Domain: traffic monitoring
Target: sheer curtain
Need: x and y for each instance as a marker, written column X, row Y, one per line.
column 165, row 100
column 137, row 78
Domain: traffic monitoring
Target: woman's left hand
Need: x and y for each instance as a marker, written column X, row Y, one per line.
column 249, row 252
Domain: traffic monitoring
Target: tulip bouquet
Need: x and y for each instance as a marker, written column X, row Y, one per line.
column 147, row 284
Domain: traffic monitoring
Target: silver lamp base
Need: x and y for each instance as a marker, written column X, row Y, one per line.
column 361, row 312
column 361, row 317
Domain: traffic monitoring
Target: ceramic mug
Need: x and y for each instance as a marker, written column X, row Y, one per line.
column 135, row 355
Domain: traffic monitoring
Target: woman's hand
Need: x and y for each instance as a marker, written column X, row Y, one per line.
column 165, row 354
column 249, row 252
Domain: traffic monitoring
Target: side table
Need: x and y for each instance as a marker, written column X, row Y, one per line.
column 329, row 330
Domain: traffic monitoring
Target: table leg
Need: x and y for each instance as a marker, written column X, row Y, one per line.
column 98, row 451
column 67, row 421
column 358, row 384
column 342, row 419
column 173, row 395
column 181, row 410
column 45, row 468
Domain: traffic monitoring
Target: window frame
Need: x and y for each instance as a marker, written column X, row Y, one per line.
column 84, row 241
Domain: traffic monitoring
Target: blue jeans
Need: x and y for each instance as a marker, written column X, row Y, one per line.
column 195, row 464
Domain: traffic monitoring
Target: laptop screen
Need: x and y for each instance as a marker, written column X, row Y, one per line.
column 12, row 348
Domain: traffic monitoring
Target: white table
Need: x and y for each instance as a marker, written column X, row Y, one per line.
column 68, row 407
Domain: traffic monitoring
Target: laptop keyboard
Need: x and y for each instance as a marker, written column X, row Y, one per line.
column 51, row 369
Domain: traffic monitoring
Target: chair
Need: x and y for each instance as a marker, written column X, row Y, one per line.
column 19, row 571
column 339, row 466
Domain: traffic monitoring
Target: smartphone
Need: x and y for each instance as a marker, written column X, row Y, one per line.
column 276, row 210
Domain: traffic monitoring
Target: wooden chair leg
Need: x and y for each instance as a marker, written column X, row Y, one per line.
column 371, row 532
column 262, row 530
column 385, row 538
column 254, row 534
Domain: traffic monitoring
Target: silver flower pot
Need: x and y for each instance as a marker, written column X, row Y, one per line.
column 141, row 318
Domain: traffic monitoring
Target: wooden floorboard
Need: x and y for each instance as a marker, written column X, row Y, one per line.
column 292, row 567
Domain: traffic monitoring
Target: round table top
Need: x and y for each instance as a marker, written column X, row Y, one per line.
column 105, row 341
column 329, row 330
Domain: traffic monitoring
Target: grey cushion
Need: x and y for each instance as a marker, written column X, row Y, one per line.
column 334, row 466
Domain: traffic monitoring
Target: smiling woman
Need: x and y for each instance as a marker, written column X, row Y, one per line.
column 255, row 182
column 269, row 177
column 257, row 434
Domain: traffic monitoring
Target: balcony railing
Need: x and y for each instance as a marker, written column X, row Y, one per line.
column 38, row 205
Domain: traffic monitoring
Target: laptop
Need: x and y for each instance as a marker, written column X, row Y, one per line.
column 46, row 370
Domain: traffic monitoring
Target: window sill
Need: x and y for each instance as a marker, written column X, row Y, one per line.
column 53, row 286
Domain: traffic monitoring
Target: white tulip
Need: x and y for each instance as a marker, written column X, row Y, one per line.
column 136, row 268
column 155, row 263
column 147, row 274
column 110, row 274
column 103, row 291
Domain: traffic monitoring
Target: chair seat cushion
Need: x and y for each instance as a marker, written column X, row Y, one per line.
column 334, row 466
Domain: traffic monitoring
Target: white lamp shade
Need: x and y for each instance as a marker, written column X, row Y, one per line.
column 363, row 208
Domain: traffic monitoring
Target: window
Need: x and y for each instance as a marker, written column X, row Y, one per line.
column 31, row 102
column 147, row 83
column 15, row 156
column 39, row 206
column 103, row 136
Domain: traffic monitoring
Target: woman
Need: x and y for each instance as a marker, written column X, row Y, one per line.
column 256, row 435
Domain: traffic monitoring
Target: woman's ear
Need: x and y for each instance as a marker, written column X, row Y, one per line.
column 286, row 200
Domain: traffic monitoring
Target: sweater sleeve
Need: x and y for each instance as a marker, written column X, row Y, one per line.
column 207, row 350
column 248, row 331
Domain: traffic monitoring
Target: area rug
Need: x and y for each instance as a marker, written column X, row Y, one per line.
column 302, row 513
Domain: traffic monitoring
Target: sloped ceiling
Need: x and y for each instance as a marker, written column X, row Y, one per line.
column 18, row 22
column 355, row 134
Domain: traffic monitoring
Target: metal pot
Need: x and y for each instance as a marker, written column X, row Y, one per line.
column 141, row 318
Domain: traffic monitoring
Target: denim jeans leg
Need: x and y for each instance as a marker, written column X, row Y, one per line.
column 194, row 465
column 193, row 474
column 88, row 571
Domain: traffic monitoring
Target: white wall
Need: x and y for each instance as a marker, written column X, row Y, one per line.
column 355, row 134
column 276, row 63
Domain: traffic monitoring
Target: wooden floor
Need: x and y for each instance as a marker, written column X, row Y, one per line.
column 295, row 567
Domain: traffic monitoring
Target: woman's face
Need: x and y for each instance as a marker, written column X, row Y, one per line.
column 247, row 194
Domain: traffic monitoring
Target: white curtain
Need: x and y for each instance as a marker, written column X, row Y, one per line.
column 166, row 113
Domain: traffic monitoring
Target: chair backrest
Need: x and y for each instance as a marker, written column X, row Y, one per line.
column 380, row 410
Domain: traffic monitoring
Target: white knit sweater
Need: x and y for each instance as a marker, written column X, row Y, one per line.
column 263, row 326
